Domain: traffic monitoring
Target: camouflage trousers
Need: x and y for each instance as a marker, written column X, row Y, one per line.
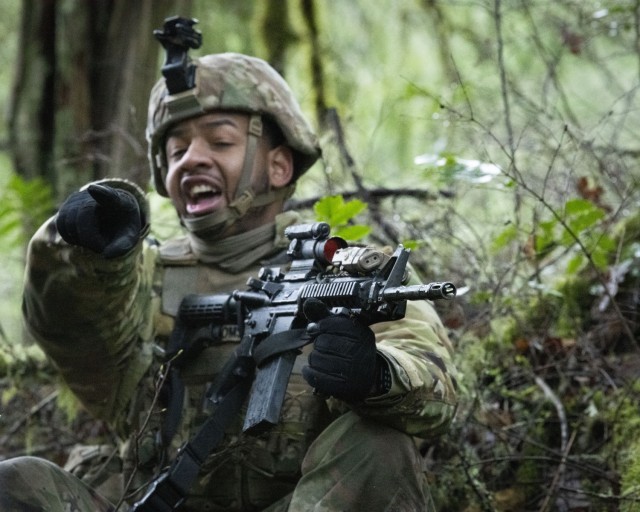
column 355, row 464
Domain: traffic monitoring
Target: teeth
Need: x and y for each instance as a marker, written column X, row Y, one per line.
column 202, row 189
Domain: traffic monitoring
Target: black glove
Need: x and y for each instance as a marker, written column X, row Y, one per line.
column 343, row 360
column 101, row 218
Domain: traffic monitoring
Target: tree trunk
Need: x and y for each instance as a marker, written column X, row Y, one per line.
column 84, row 73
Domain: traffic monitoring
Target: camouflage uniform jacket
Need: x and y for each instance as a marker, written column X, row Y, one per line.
column 101, row 321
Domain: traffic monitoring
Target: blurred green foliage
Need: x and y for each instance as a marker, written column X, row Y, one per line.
column 24, row 206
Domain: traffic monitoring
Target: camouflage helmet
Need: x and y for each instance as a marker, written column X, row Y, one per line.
column 235, row 82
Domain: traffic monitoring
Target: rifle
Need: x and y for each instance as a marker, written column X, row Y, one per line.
column 268, row 319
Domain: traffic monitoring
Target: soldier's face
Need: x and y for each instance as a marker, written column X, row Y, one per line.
column 205, row 156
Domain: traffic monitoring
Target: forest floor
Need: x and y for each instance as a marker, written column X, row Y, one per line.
column 33, row 422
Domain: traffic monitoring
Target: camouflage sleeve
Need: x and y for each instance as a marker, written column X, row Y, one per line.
column 422, row 398
column 91, row 315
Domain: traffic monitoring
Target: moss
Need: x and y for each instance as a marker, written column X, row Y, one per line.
column 4, row 364
column 626, row 443
column 630, row 476
column 627, row 232
column 527, row 473
column 619, row 413
column 575, row 306
column 67, row 401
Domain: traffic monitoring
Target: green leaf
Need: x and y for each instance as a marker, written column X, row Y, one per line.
column 349, row 210
column 606, row 243
column 581, row 215
column 355, row 232
column 600, row 259
column 545, row 237
column 548, row 227
column 575, row 263
column 585, row 220
column 9, row 223
column 412, row 244
column 505, row 237
column 577, row 206
column 25, row 205
column 339, row 214
column 326, row 206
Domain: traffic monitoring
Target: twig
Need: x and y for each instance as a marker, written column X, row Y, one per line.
column 565, row 443
column 375, row 193
column 479, row 492
column 162, row 377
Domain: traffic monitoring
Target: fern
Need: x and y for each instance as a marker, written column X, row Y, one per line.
column 24, row 205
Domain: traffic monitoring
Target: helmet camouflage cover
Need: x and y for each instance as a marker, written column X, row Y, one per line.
column 235, row 82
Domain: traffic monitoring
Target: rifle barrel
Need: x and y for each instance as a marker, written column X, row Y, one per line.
column 430, row 291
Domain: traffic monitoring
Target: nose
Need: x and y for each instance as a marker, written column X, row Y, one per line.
column 195, row 157
column 198, row 154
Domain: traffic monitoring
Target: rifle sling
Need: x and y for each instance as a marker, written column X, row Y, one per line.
column 181, row 349
column 169, row 491
column 277, row 343
column 175, row 398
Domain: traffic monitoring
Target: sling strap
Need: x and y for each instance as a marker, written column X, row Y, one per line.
column 293, row 339
column 170, row 489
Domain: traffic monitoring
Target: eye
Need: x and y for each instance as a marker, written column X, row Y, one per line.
column 222, row 142
column 176, row 154
column 175, row 150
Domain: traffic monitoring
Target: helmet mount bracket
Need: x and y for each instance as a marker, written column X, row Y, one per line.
column 178, row 36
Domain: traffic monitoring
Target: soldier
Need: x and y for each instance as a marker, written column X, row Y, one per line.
column 100, row 298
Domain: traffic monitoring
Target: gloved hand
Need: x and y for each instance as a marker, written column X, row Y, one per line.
column 342, row 363
column 101, row 218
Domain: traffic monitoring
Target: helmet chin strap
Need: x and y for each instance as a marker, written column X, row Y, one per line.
column 211, row 225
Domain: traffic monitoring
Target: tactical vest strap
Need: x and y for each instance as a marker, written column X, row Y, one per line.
column 175, row 400
column 179, row 351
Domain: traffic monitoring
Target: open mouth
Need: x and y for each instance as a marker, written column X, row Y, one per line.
column 201, row 195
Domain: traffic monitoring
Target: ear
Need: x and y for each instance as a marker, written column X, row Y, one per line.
column 280, row 166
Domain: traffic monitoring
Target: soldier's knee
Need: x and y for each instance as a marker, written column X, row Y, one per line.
column 18, row 476
column 389, row 448
column 32, row 483
column 352, row 438
column 379, row 466
column 24, row 465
